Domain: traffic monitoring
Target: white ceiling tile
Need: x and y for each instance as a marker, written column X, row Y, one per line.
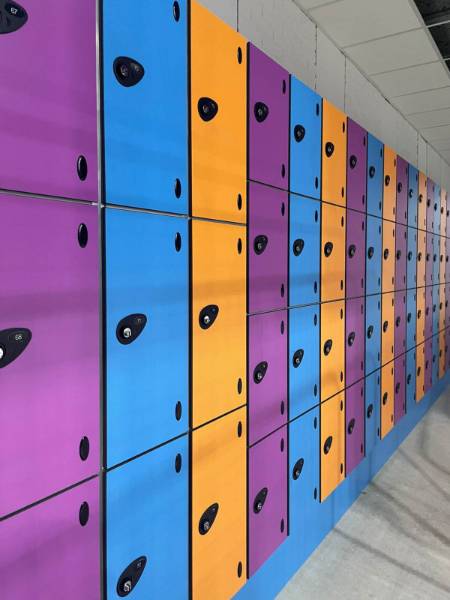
column 421, row 153
column 431, row 118
column 413, row 79
column 395, row 52
column 442, row 144
column 422, row 101
column 330, row 71
column 433, row 134
column 354, row 21
column 308, row 4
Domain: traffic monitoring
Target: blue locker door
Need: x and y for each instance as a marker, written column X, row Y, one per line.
column 373, row 394
column 375, row 175
column 304, row 251
column 147, row 530
column 411, row 321
column 435, row 309
column 304, row 359
column 305, row 140
column 436, row 262
column 373, row 333
column 146, row 331
column 410, row 380
column 304, row 480
column 146, row 114
column 373, row 255
column 411, row 262
column 413, row 195
column 435, row 363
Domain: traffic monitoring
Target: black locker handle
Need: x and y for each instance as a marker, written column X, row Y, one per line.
column 369, row 411
column 207, row 519
column 261, row 111
column 385, row 326
column 299, row 133
column 327, row 444
column 329, row 149
column 385, row 398
column 351, row 426
column 353, row 161
column 207, row 109
column 208, row 315
column 370, row 252
column 298, row 357
column 260, row 372
column 397, row 387
column 408, row 379
column 397, row 322
column 327, row 347
column 328, row 249
column 14, row 19
column 411, row 192
column 372, row 172
column 128, row 71
column 387, row 180
column 130, row 328
column 399, row 187
column 386, row 253
column 12, row 343
column 352, row 250
column 297, row 247
column 130, row 576
column 259, row 500
column 410, row 255
column 260, row 244
column 298, row 468
column 399, row 254
column 370, row 331
column 351, row 338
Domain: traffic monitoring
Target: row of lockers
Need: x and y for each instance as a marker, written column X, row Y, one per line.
column 146, row 508
column 249, row 120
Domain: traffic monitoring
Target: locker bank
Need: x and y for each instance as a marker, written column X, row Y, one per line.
column 224, row 301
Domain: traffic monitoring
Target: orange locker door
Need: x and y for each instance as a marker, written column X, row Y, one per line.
column 390, row 183
column 421, row 257
column 387, row 327
column 420, row 372
column 422, row 206
column 333, row 253
column 219, row 118
column 332, row 335
column 388, row 261
column 332, row 444
column 387, row 399
column 218, row 319
column 442, row 354
column 442, row 254
column 334, row 154
column 219, row 523
column 421, row 303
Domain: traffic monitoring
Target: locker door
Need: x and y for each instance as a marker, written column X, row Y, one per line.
column 420, row 372
column 442, row 322
column 334, row 152
column 356, row 252
column 413, row 195
column 333, row 253
column 435, row 366
column 420, row 328
column 356, row 166
column 447, row 261
column 429, row 260
column 304, row 251
column 332, row 344
column 421, row 257
column 267, row 502
column 442, row 352
column 400, row 388
column 435, row 309
column 268, row 117
column 387, row 327
column 428, row 312
column 219, row 117
column 390, row 183
column 442, row 251
column 150, row 170
column 267, row 373
column 422, row 205
column 373, row 255
column 437, row 209
column 375, row 176
column 219, row 520
column 430, row 205
column 373, row 333
column 428, row 364
column 147, row 319
column 400, row 323
column 304, row 477
column 411, row 262
column 218, row 319
column 306, row 139
column 354, row 339
column 332, row 444
column 147, row 533
column 443, row 212
column 410, row 380
column 372, row 401
column 436, row 261
column 387, row 399
column 304, row 359
column 267, row 248
column 354, row 419
column 447, row 305
column 411, row 322
column 49, row 121
column 388, row 266
column 401, row 210
column 49, row 304
column 62, row 531
column 447, row 346
column 401, row 244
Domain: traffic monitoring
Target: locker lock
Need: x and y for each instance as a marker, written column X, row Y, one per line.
column 369, row 411
column 327, row 444
column 298, row 246
column 260, row 372
column 385, row 326
column 353, row 161
column 399, row 254
column 327, row 347
column 386, row 253
column 207, row 519
column 411, row 192
column 399, row 187
column 82, row 169
column 328, row 249
column 130, row 576
column 261, row 111
column 352, row 250
column 130, row 328
column 370, row 331
column 207, row 108
column 208, row 315
column 420, row 198
column 298, row 468
column 297, row 358
column 299, row 133
column 128, row 71
column 385, row 398
column 260, row 244
column 351, row 426
column 397, row 388
column 409, row 255
column 387, row 180
column 259, row 500
column 13, row 18
column 370, row 252
column 351, row 338
column 408, row 379
column 12, row 343
column 397, row 321
column 372, row 172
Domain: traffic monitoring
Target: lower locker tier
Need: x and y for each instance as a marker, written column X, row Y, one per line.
column 332, row 444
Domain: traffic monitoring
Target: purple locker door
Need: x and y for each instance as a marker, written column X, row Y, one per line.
column 354, row 436
column 400, row 323
column 356, row 166
column 447, row 348
column 267, row 376
column 399, row 388
column 268, row 465
column 428, row 312
column 268, row 120
column 49, row 101
column 429, row 260
column 401, row 250
column 401, row 209
column 267, row 248
column 354, row 339
column 52, row 550
column 430, row 205
column 50, row 391
column 356, row 254
column 428, row 364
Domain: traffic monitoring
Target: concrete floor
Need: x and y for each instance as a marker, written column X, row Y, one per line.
column 394, row 543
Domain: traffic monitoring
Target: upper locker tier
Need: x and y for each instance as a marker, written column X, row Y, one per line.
column 334, row 152
column 49, row 99
column 145, row 80
column 218, row 118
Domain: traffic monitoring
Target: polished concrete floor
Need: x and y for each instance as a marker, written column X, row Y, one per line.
column 394, row 543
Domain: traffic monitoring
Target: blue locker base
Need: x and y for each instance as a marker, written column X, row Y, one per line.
column 269, row 580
